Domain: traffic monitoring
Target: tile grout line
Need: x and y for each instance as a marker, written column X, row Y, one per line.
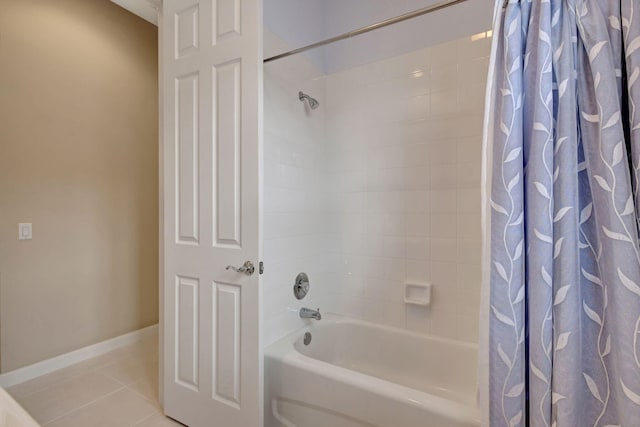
column 153, row 406
column 157, row 410
column 144, row 419
column 128, row 387
column 46, row 387
column 89, row 369
column 112, row 377
column 84, row 406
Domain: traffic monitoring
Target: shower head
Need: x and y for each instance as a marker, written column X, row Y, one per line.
column 313, row 103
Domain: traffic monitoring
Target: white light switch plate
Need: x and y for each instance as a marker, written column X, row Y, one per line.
column 25, row 231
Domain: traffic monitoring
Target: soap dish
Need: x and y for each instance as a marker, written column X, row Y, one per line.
column 417, row 294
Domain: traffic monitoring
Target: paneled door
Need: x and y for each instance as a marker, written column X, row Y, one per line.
column 211, row 67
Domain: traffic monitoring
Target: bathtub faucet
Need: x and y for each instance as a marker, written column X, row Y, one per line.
column 307, row 313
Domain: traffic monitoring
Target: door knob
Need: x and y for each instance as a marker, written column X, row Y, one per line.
column 247, row 268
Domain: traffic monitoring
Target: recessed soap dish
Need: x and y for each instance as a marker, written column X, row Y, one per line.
column 417, row 294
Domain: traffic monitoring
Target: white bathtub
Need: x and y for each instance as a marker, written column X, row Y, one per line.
column 356, row 373
column 12, row 414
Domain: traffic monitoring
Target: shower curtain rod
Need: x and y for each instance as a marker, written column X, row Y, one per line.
column 367, row 28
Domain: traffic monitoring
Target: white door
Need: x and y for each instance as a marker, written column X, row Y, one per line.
column 211, row 62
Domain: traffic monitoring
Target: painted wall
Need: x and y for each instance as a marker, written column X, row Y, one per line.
column 452, row 23
column 295, row 23
column 78, row 159
column 302, row 23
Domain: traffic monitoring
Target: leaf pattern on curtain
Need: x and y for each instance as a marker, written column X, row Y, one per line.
column 564, row 288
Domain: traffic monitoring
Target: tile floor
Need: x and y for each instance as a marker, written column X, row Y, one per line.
column 117, row 389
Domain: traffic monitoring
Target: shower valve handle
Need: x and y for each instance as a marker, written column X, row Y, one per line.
column 247, row 268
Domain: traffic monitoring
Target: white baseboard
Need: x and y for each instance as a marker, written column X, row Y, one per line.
column 47, row 366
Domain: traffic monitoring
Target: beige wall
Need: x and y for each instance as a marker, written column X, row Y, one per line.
column 78, row 159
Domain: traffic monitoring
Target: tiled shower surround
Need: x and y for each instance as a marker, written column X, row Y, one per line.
column 296, row 205
column 378, row 187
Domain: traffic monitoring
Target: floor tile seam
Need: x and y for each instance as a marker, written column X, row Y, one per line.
column 85, row 405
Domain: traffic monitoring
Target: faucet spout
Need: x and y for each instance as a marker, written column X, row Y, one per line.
column 307, row 313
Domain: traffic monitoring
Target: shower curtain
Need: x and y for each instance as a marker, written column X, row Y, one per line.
column 561, row 290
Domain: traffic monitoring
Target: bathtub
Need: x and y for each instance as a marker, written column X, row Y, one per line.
column 12, row 414
column 355, row 374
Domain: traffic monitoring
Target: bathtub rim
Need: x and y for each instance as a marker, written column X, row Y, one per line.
column 285, row 351
column 335, row 318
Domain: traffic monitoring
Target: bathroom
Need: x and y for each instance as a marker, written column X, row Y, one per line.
column 319, row 213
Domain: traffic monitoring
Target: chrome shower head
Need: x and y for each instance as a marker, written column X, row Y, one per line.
column 313, row 103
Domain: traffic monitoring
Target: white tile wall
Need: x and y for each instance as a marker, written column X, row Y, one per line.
column 296, row 224
column 378, row 187
column 404, row 138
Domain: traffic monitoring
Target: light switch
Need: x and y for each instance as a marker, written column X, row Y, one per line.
column 25, row 231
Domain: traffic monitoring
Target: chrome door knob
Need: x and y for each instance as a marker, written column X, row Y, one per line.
column 247, row 268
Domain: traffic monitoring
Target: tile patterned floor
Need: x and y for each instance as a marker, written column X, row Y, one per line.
column 117, row 389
